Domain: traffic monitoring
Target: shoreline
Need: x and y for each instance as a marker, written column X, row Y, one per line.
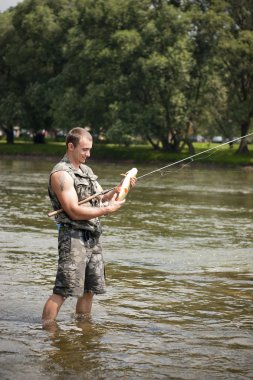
column 248, row 167
column 134, row 154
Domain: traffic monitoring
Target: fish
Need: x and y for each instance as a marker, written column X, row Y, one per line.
column 124, row 187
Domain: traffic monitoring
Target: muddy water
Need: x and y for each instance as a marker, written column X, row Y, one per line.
column 179, row 277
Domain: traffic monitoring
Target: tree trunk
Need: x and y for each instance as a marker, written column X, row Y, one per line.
column 243, row 147
column 9, row 135
column 174, row 142
column 189, row 144
column 154, row 145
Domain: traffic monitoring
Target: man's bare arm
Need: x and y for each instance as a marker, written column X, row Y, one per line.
column 63, row 186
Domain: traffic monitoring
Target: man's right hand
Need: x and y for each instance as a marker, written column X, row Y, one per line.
column 114, row 205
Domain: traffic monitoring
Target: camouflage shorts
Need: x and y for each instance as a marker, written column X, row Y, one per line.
column 81, row 264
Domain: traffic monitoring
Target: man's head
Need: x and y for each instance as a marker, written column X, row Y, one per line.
column 79, row 144
column 76, row 134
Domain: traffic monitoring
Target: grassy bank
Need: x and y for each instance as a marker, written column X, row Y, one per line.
column 222, row 155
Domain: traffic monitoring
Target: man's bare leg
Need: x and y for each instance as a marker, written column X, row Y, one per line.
column 84, row 305
column 51, row 309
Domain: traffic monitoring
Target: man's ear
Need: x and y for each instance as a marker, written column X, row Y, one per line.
column 71, row 146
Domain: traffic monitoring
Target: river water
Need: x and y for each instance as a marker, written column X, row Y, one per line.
column 179, row 279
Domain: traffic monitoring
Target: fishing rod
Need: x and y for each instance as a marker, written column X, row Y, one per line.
column 193, row 156
column 56, row 212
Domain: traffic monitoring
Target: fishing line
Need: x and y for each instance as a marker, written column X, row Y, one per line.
column 192, row 158
column 163, row 173
column 188, row 163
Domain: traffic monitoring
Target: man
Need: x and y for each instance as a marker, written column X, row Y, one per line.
column 80, row 267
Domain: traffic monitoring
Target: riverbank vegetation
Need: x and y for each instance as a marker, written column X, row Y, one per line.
column 218, row 155
column 160, row 71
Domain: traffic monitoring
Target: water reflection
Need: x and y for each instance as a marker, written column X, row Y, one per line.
column 179, row 275
column 74, row 347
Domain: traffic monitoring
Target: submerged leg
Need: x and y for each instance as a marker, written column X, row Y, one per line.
column 84, row 305
column 52, row 308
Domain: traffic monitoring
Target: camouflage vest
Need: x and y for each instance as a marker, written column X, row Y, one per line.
column 85, row 184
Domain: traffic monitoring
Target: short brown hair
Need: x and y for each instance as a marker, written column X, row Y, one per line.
column 75, row 134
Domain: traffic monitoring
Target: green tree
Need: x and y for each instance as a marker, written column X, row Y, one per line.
column 236, row 49
column 154, row 60
column 31, row 58
column 80, row 93
column 222, row 76
column 10, row 108
column 145, row 68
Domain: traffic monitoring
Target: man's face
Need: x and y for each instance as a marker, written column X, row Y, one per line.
column 82, row 151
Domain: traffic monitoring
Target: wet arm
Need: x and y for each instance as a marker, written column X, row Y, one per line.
column 63, row 186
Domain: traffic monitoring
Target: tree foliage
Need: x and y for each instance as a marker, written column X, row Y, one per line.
column 129, row 68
